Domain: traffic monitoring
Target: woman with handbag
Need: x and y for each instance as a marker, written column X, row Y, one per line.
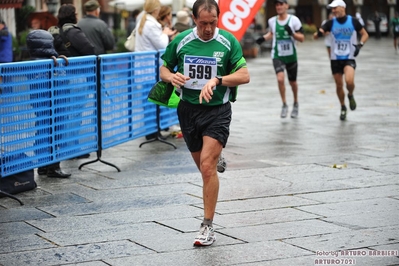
column 150, row 36
column 149, row 33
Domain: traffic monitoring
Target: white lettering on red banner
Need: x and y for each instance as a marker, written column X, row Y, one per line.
column 237, row 15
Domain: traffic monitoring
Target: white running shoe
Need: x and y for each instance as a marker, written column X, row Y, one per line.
column 284, row 111
column 205, row 237
column 295, row 109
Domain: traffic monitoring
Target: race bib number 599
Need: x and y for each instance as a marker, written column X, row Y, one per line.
column 200, row 69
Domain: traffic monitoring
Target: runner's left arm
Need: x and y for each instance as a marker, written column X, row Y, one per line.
column 298, row 33
column 361, row 30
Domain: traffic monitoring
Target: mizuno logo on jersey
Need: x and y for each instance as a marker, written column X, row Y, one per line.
column 199, row 60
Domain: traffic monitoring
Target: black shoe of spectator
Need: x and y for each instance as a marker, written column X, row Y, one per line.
column 84, row 156
column 151, row 136
column 58, row 173
column 42, row 170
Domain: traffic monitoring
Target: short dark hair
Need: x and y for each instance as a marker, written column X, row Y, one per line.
column 67, row 14
column 135, row 13
column 209, row 6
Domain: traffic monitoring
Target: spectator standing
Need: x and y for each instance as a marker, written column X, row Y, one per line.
column 377, row 22
column 210, row 65
column 40, row 46
column 58, row 42
column 73, row 37
column 359, row 17
column 150, row 35
column 285, row 30
column 395, row 30
column 132, row 22
column 165, row 19
column 165, row 16
column 345, row 47
column 95, row 29
column 182, row 21
column 6, row 54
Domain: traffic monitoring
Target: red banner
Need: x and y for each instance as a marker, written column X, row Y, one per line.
column 237, row 15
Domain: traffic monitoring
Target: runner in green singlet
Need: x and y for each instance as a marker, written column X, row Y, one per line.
column 285, row 30
column 395, row 30
column 210, row 66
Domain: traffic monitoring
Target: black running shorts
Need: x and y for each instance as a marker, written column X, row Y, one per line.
column 292, row 68
column 197, row 121
column 337, row 66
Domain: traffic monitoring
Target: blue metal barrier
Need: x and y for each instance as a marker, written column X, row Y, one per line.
column 126, row 80
column 48, row 113
column 51, row 113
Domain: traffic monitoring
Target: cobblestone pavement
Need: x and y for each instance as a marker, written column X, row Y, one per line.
column 281, row 200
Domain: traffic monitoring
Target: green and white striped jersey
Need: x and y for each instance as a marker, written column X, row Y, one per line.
column 203, row 60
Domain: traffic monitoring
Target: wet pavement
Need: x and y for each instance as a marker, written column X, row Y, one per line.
column 306, row 191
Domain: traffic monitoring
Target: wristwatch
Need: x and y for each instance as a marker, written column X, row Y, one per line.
column 220, row 79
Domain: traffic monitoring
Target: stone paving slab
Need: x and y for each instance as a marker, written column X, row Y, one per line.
column 105, row 207
column 106, row 234
column 48, row 200
column 347, row 240
column 368, row 219
column 353, row 194
column 14, row 215
column 23, row 242
column 282, row 230
column 329, row 174
column 394, row 169
column 104, row 219
column 311, row 260
column 216, row 255
column 263, row 217
column 383, row 180
column 73, row 254
column 353, row 208
column 265, row 203
column 16, row 228
column 92, row 263
column 104, row 194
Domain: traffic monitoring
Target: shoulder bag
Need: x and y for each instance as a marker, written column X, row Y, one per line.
column 131, row 41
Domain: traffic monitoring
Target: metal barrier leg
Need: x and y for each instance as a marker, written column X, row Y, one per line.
column 99, row 118
column 158, row 138
column 99, row 160
column 11, row 196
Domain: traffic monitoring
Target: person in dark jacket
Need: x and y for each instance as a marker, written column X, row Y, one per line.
column 58, row 42
column 96, row 29
column 6, row 55
column 73, row 37
column 40, row 46
column 182, row 21
column 377, row 22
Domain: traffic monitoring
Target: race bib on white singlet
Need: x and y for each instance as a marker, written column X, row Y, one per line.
column 342, row 48
column 200, row 69
column 285, row 48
